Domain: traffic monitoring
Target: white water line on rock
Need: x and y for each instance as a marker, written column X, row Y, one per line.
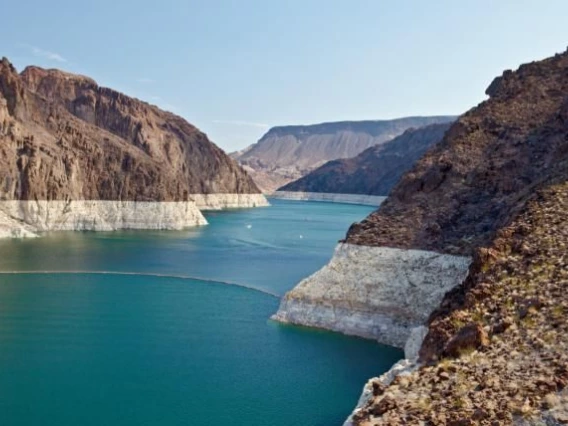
column 377, row 293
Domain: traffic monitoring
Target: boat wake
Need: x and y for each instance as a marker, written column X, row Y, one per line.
column 144, row 274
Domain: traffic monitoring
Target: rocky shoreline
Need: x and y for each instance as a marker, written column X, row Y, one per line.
column 78, row 156
column 24, row 218
column 493, row 192
column 228, row 201
column 378, row 293
column 496, row 351
column 367, row 200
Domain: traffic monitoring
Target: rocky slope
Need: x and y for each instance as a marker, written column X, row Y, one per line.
column 64, row 139
column 495, row 188
column 497, row 348
column 374, row 171
column 489, row 162
column 287, row 153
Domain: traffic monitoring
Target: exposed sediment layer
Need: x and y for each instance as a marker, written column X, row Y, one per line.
column 99, row 215
column 12, row 228
column 368, row 200
column 24, row 218
column 228, row 201
column 374, row 292
column 404, row 367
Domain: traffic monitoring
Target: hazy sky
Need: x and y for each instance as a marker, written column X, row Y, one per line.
column 234, row 68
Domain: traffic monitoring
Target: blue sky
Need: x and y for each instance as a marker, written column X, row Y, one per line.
column 234, row 68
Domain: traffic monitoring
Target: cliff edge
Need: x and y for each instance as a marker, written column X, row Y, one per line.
column 451, row 202
column 75, row 155
column 496, row 350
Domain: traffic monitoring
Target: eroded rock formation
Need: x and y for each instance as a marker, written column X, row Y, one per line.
column 496, row 351
column 363, row 199
column 495, row 188
column 64, row 138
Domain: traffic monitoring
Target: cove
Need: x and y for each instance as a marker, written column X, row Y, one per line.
column 113, row 328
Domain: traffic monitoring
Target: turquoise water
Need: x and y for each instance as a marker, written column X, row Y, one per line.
column 123, row 349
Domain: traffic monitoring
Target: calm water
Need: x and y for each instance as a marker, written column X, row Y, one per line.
column 108, row 349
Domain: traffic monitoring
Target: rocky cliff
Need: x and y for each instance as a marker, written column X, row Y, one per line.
column 287, row 153
column 496, row 350
column 469, row 186
column 494, row 189
column 65, row 140
column 376, row 170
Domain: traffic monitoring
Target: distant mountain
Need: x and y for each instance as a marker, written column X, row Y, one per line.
column 286, row 153
column 374, row 171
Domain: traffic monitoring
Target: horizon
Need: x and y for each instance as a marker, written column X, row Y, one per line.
column 264, row 65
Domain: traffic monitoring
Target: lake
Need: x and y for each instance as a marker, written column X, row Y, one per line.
column 172, row 328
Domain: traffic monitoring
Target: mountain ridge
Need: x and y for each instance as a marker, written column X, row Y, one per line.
column 464, row 265
column 374, row 171
column 487, row 162
column 286, row 153
column 65, row 139
column 71, row 112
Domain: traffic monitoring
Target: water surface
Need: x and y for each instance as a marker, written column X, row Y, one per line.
column 98, row 349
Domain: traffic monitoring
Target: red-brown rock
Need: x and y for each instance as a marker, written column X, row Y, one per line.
column 63, row 137
column 469, row 337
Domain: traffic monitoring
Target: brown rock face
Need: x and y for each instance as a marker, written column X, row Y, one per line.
column 468, row 338
column 517, row 290
column 471, row 184
column 376, row 170
column 287, row 153
column 62, row 137
column 496, row 351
